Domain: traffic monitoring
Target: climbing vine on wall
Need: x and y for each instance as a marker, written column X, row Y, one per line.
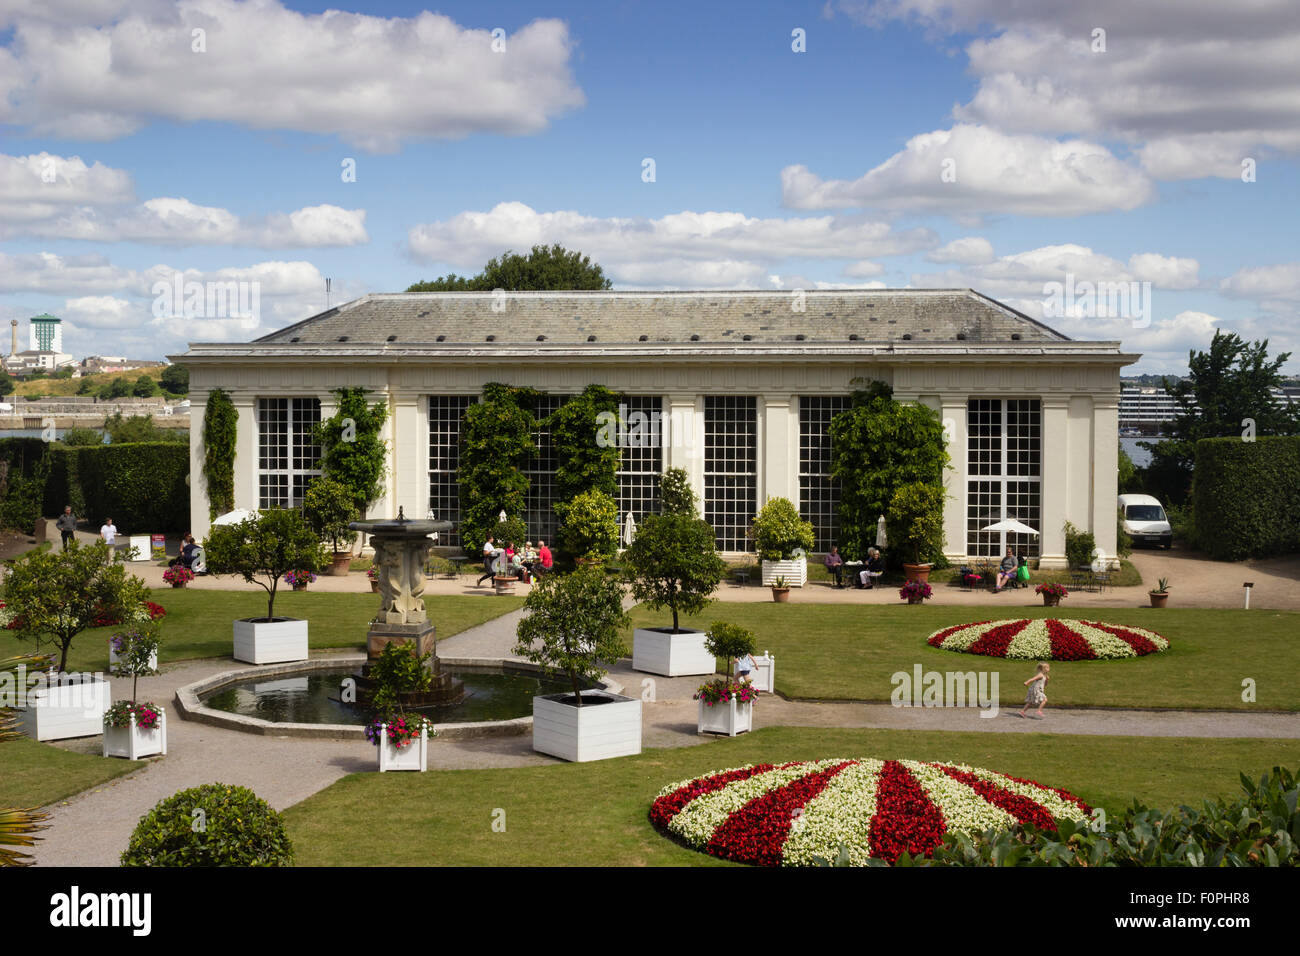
column 497, row 441
column 219, row 427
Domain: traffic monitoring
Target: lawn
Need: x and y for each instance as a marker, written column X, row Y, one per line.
column 594, row 814
column 198, row 622
column 850, row 652
column 37, row 774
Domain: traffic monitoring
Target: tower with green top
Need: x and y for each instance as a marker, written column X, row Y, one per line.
column 47, row 333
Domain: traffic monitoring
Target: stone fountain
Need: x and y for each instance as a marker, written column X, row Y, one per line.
column 401, row 548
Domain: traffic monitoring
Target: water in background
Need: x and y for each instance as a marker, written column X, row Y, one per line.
column 1140, row 456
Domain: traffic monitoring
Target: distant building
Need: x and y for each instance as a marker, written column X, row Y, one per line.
column 1141, row 405
column 47, row 333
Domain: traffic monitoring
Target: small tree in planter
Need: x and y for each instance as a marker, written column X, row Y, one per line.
column 726, row 704
column 329, row 506
column 916, row 526
column 589, row 526
column 731, row 642
column 572, row 626
column 672, row 564
column 262, row 551
column 399, row 669
column 782, row 539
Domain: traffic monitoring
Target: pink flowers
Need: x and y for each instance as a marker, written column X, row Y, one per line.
column 721, row 691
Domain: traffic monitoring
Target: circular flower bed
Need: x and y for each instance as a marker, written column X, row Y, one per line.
column 1049, row 639
column 790, row 814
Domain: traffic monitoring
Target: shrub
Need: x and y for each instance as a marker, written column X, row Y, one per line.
column 582, row 462
column 353, row 454
column 1244, row 497
column 1080, row 546
column 915, row 521
column 1123, row 541
column 80, row 437
column 672, row 564
column 589, row 525
column 779, row 532
column 213, row 825
column 676, row 497
column 143, row 486
column 329, row 506
column 399, row 669
column 262, row 550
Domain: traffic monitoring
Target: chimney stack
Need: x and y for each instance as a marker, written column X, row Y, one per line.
column 13, row 345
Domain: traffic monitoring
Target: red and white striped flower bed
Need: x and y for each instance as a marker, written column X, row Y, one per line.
column 1049, row 639
column 787, row 814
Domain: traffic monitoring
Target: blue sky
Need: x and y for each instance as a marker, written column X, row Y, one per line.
column 911, row 143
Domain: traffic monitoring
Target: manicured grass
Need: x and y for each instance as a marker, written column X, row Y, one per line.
column 595, row 814
column 850, row 652
column 198, row 622
column 37, row 774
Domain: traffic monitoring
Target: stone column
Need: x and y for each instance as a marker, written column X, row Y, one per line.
column 684, row 433
column 1105, row 474
column 952, row 412
column 199, row 521
column 1055, row 480
column 247, row 494
column 779, row 472
column 407, row 435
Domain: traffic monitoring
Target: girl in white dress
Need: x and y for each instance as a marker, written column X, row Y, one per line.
column 1036, row 696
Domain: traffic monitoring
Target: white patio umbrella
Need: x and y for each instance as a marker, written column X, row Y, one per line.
column 881, row 538
column 629, row 530
column 1012, row 525
column 238, row 516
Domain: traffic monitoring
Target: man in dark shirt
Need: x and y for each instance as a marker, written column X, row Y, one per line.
column 67, row 524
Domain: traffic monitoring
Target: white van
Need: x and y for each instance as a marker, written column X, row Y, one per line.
column 1145, row 520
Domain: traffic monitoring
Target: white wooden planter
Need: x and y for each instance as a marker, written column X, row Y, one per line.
column 69, row 710
column 414, row 756
column 113, row 661
column 271, row 642
column 728, row 718
column 763, row 676
column 590, row 732
column 659, row 651
column 133, row 743
column 795, row 572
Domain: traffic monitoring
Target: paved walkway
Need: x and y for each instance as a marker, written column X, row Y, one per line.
column 94, row 827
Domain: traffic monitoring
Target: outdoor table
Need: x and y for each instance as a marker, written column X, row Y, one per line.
column 852, row 572
column 458, row 561
column 742, row 577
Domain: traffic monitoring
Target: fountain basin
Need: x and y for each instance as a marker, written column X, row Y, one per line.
column 190, row 698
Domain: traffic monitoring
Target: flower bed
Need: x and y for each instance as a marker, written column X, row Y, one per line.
column 1049, row 639
column 120, row 714
column 793, row 814
column 101, row 619
column 722, row 690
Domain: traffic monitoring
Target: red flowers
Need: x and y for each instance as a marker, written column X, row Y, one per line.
column 905, row 818
column 994, row 641
column 1067, row 645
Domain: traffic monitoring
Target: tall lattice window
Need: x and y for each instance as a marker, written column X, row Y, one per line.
column 541, row 518
column 819, row 494
column 730, row 468
column 287, row 454
column 642, row 460
column 1004, row 468
column 446, row 419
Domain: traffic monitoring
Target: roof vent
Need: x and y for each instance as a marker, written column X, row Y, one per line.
column 854, row 337
column 441, row 338
column 591, row 338
column 1015, row 336
column 294, row 339
column 643, row 338
column 423, row 314
column 961, row 336
column 907, row 336
column 541, row 338
column 747, row 337
column 491, row 338
column 695, row 338
column 391, row 338
column 343, row 338
column 800, row 337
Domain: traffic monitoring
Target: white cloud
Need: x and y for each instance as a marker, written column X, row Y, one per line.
column 106, row 69
column 37, row 186
column 701, row 250
column 1165, row 272
column 104, row 312
column 1195, row 88
column 971, row 169
column 967, row 251
column 863, row 269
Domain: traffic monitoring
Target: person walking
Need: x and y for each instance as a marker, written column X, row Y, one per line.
column 109, row 533
column 1036, row 695
column 67, row 524
column 489, row 552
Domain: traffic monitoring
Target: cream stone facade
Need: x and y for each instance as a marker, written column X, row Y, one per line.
column 1031, row 418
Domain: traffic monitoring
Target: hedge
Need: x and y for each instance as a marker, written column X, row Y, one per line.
column 24, row 487
column 1246, row 497
column 142, row 486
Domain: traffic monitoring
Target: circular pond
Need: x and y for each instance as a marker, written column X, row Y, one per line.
column 316, row 697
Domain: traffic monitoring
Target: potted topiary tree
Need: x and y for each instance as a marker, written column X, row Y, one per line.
column 52, row 596
column 727, row 704
column 572, row 627
column 589, row 527
column 783, row 540
column 672, row 564
column 329, row 506
column 916, row 527
column 262, row 550
column 134, row 728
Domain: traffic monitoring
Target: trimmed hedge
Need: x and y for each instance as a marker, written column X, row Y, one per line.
column 24, row 488
column 142, row 486
column 1246, row 497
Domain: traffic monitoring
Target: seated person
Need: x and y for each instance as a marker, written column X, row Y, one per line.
column 189, row 551
column 873, row 569
column 1007, row 569
column 545, row 560
column 835, row 565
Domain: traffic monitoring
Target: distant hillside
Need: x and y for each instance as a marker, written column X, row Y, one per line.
column 74, row 386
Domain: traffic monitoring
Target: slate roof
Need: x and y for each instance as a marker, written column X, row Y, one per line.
column 883, row 316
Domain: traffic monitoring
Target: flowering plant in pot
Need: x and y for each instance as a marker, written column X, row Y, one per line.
column 399, row 729
column 134, row 728
column 973, row 579
column 783, row 541
column 723, row 689
column 372, row 574
column 780, row 590
column 1052, row 593
column 299, row 579
column 145, row 713
column 178, row 577
column 915, row 591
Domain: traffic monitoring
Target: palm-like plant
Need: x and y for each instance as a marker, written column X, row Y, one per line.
column 18, row 826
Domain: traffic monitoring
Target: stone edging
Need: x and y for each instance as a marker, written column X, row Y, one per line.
column 189, row 707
